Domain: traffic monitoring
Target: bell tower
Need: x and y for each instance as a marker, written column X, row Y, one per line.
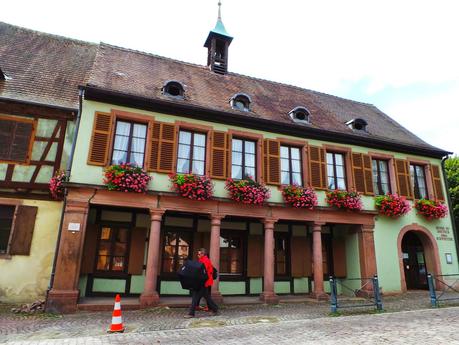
column 217, row 44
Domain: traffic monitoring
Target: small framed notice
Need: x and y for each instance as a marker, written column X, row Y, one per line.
column 449, row 258
column 74, row 227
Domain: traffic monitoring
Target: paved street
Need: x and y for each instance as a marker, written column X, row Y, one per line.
column 408, row 320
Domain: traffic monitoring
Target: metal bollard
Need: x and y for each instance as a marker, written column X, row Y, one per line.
column 333, row 298
column 433, row 294
column 377, row 293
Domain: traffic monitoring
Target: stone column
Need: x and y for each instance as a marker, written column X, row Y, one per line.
column 318, row 262
column 150, row 296
column 367, row 256
column 63, row 295
column 214, row 253
column 268, row 295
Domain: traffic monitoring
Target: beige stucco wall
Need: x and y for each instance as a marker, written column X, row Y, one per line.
column 26, row 278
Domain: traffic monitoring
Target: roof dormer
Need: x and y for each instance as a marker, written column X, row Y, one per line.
column 300, row 114
column 357, row 124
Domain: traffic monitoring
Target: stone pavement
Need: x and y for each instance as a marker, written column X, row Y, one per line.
column 299, row 323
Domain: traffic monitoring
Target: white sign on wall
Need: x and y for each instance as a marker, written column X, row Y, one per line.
column 74, row 227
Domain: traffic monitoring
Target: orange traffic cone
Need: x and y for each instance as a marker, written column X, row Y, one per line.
column 117, row 320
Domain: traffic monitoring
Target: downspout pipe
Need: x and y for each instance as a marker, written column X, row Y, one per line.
column 450, row 207
column 67, row 173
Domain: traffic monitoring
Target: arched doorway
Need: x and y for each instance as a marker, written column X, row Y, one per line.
column 414, row 262
column 418, row 253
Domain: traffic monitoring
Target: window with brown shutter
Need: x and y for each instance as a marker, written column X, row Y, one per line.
column 101, row 138
column 271, row 161
column 403, row 178
column 89, row 249
column 436, row 180
column 301, row 257
column 361, row 166
column 255, row 255
column 16, row 139
column 22, row 232
column 339, row 257
column 163, row 147
column 219, row 155
column 317, row 166
column 137, row 251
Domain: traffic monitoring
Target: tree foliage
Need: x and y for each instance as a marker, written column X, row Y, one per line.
column 452, row 174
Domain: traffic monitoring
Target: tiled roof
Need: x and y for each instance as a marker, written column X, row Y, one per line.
column 140, row 74
column 42, row 68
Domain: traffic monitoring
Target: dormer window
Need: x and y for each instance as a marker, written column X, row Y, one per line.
column 300, row 114
column 357, row 124
column 241, row 102
column 173, row 89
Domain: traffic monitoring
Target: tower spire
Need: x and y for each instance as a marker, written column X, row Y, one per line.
column 219, row 10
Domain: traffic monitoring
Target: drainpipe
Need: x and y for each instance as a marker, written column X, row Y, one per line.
column 450, row 206
column 67, row 173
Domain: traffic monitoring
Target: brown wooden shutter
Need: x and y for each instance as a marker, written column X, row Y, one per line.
column 16, row 139
column 317, row 167
column 436, row 181
column 102, row 133
column 163, row 147
column 22, row 232
column 255, row 256
column 137, row 251
column 219, row 155
column 271, row 161
column 339, row 257
column 301, row 257
column 363, row 175
column 402, row 171
column 89, row 249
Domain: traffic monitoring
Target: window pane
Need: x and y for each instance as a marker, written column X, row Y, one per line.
column 236, row 172
column 198, row 167
column 199, row 153
column 249, row 147
column 121, row 142
column 339, row 159
column 250, row 172
column 237, row 145
column 123, row 128
column 284, row 151
column 384, row 177
column 341, row 184
column 119, row 157
column 285, row 176
column 183, row 166
column 340, row 171
column 250, row 160
column 284, row 164
column 297, row 179
column 385, row 188
column 329, row 158
column 184, row 151
column 383, row 166
column 296, row 167
column 200, row 139
column 331, row 183
column 136, row 159
column 295, row 153
column 185, row 137
column 140, row 131
column 138, row 145
column 103, row 263
column 330, row 171
column 374, row 163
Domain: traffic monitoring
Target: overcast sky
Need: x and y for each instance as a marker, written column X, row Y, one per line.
column 402, row 56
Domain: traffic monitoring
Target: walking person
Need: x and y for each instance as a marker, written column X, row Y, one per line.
column 204, row 290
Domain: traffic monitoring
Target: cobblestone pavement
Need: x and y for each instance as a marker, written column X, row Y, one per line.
column 255, row 324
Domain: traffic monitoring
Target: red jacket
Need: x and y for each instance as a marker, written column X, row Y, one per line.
column 209, row 269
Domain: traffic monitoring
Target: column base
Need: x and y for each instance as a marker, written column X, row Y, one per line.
column 150, row 300
column 320, row 296
column 269, row 298
column 62, row 301
column 217, row 297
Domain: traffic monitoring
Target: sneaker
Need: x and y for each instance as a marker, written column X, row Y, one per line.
column 188, row 316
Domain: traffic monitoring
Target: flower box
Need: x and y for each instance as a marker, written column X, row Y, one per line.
column 431, row 209
column 344, row 200
column 55, row 185
column 299, row 197
column 126, row 178
column 392, row 205
column 192, row 186
column 247, row 191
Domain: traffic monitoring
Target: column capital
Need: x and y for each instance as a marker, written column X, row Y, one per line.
column 269, row 222
column 156, row 214
column 367, row 228
column 317, row 226
column 216, row 219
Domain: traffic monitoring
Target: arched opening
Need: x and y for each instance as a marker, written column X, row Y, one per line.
column 418, row 253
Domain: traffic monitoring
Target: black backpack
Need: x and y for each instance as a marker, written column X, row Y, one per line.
column 214, row 273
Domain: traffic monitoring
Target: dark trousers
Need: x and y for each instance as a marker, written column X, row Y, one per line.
column 196, row 296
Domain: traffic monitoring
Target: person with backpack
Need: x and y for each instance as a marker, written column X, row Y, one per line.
column 205, row 289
